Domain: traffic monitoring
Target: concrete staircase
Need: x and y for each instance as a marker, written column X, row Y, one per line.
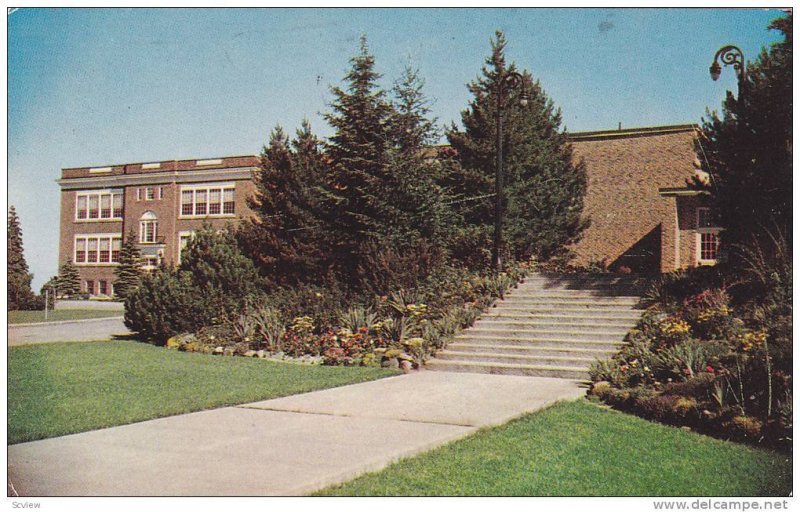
column 552, row 325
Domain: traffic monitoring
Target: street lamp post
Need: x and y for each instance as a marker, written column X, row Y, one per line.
column 730, row 56
column 506, row 82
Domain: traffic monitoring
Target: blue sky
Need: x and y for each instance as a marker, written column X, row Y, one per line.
column 88, row 87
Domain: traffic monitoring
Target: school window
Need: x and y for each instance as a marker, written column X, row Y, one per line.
column 148, row 228
column 90, row 287
column 184, row 237
column 708, row 240
column 103, row 287
column 103, row 248
column 98, row 205
column 203, row 200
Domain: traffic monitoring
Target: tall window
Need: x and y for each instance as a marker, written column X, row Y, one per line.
column 184, row 237
column 148, row 228
column 97, row 248
column 202, row 200
column 708, row 241
column 98, row 205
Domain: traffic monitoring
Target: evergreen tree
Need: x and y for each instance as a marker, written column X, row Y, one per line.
column 415, row 193
column 358, row 205
column 68, row 280
column 128, row 272
column 544, row 187
column 748, row 152
column 20, row 294
column 281, row 237
column 222, row 274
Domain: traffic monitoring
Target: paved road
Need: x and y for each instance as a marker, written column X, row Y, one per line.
column 78, row 330
column 287, row 446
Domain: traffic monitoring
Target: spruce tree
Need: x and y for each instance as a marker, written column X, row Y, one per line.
column 415, row 191
column 748, row 151
column 68, row 280
column 128, row 272
column 281, row 237
column 544, row 187
column 20, row 294
column 358, row 205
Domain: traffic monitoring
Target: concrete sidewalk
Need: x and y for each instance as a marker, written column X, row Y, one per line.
column 281, row 447
column 93, row 329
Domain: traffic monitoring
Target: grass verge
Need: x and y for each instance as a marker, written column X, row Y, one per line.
column 581, row 449
column 24, row 317
column 63, row 388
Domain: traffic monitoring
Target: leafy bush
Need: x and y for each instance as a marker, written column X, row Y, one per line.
column 167, row 303
column 212, row 283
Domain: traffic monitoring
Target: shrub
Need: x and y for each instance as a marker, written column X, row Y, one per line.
column 167, row 303
column 210, row 287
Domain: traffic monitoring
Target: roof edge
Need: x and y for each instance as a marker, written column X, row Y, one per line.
column 85, row 167
column 631, row 132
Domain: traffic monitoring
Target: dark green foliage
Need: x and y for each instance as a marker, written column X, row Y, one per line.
column 544, row 188
column 166, row 303
column 68, row 280
column 128, row 273
column 380, row 189
column 20, row 295
column 283, row 238
column 748, row 151
column 219, row 269
column 212, row 284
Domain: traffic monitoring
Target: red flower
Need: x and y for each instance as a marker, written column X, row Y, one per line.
column 709, row 369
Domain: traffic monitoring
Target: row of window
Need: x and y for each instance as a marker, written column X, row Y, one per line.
column 103, row 287
column 97, row 248
column 105, row 248
column 196, row 201
column 99, row 205
column 200, row 201
column 149, row 193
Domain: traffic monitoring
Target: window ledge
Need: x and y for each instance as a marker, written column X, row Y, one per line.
column 212, row 216
column 113, row 219
column 96, row 264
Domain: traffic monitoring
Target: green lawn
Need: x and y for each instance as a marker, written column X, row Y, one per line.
column 24, row 317
column 62, row 388
column 581, row 449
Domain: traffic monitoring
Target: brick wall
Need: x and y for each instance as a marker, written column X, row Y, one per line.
column 622, row 200
column 166, row 209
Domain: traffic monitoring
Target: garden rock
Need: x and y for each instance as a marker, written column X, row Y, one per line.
column 218, row 351
column 250, row 353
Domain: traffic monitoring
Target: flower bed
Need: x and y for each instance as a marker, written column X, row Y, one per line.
column 402, row 329
column 703, row 364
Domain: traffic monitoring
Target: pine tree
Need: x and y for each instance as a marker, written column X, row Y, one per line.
column 748, row 152
column 20, row 294
column 128, row 272
column 68, row 280
column 544, row 187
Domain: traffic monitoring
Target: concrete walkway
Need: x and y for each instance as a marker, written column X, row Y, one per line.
column 94, row 329
column 286, row 446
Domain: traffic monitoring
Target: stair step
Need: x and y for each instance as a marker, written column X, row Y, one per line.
column 591, row 323
column 533, row 333
column 476, row 339
column 526, row 359
column 556, row 313
column 531, row 349
column 570, row 295
column 508, row 369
